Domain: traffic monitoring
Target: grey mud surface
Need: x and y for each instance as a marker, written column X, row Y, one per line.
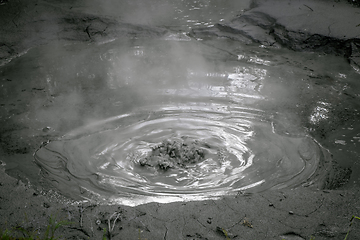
column 282, row 214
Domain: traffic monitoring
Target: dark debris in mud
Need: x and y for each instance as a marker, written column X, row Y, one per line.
column 338, row 177
column 171, row 154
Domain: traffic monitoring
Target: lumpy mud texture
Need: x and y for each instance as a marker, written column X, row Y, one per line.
column 176, row 153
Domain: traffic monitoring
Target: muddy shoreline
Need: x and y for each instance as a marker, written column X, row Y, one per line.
column 286, row 214
column 282, row 214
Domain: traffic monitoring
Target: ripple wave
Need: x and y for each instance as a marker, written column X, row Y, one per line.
column 244, row 152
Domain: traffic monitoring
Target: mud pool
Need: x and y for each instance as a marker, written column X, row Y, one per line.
column 266, row 117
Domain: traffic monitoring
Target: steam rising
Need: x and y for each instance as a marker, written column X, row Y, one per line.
column 133, row 94
column 121, row 96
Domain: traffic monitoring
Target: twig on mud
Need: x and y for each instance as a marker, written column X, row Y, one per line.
column 351, row 222
column 246, row 223
column 116, row 218
column 222, row 232
column 308, row 7
column 87, row 31
column 81, row 210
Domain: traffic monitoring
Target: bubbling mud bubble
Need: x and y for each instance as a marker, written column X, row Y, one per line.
column 178, row 153
column 172, row 154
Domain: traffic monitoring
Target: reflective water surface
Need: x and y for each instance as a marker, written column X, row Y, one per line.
column 168, row 89
column 242, row 152
column 266, row 118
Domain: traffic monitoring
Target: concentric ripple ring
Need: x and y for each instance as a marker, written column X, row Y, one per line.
column 243, row 152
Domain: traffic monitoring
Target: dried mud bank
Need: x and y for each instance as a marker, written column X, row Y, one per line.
column 320, row 26
column 287, row 214
column 328, row 27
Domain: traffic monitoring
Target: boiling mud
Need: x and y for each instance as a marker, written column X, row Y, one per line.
column 254, row 108
column 262, row 114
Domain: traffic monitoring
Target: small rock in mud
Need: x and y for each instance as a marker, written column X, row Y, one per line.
column 177, row 153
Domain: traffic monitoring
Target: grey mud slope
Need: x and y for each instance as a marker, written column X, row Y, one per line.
column 25, row 25
column 322, row 26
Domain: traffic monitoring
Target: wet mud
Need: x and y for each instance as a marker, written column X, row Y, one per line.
column 174, row 154
column 286, row 214
column 323, row 211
